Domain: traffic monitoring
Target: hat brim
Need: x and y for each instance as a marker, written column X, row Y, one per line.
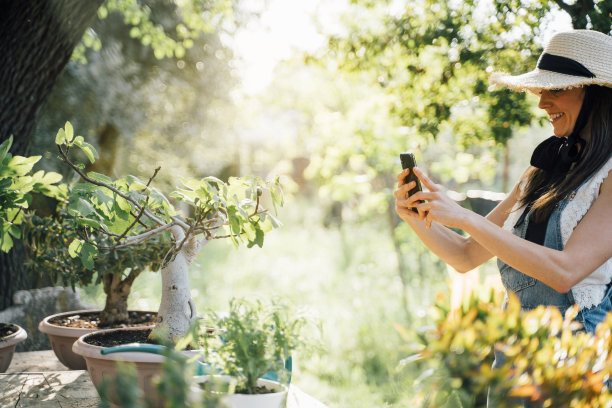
column 539, row 79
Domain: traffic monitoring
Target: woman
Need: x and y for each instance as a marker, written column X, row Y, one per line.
column 552, row 234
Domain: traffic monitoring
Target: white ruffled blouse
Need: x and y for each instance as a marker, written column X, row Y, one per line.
column 590, row 291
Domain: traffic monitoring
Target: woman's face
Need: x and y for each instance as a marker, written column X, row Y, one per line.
column 563, row 107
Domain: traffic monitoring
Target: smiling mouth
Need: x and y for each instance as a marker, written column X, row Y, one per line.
column 556, row 116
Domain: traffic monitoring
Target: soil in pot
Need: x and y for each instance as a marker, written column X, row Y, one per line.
column 120, row 337
column 91, row 320
column 260, row 389
column 6, row 329
column 117, row 338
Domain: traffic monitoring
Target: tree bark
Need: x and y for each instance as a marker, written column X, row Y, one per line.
column 177, row 310
column 117, row 292
column 37, row 39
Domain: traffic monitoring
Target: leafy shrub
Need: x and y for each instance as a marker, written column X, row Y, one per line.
column 549, row 361
column 253, row 339
column 17, row 183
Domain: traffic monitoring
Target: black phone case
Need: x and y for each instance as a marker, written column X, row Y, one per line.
column 408, row 162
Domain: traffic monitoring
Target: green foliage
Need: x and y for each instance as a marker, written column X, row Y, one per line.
column 17, row 184
column 253, row 339
column 129, row 211
column 148, row 26
column 433, row 60
column 548, row 360
column 237, row 200
column 47, row 240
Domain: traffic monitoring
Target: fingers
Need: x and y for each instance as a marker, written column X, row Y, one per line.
column 401, row 177
column 404, row 211
column 402, row 191
column 426, row 181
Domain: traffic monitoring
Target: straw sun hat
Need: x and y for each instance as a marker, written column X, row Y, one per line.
column 570, row 59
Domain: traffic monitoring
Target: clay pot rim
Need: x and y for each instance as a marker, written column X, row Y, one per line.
column 56, row 330
column 15, row 338
column 86, row 350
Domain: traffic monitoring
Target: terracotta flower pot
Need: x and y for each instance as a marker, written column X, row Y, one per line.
column 8, row 344
column 62, row 337
column 102, row 366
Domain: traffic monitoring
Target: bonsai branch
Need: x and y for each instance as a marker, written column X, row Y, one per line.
column 136, row 219
column 105, row 185
column 131, row 240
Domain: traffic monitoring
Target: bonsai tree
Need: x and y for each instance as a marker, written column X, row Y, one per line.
column 253, row 339
column 46, row 239
column 129, row 212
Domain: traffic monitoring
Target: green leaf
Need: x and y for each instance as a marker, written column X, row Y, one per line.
column 102, row 178
column 4, row 148
column 123, row 204
column 249, row 230
column 15, row 231
column 6, row 242
column 234, row 221
column 81, row 207
column 69, row 131
column 74, row 249
column 88, row 149
column 23, row 165
column 90, row 222
column 88, row 254
column 137, row 186
column 60, row 137
column 51, row 178
column 259, row 239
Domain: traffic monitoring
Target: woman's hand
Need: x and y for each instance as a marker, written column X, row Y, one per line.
column 432, row 205
column 404, row 207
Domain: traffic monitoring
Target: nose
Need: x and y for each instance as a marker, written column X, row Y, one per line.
column 544, row 99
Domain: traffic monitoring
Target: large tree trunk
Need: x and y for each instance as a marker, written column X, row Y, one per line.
column 37, row 39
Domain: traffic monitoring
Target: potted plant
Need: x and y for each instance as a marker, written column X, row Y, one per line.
column 45, row 240
column 252, row 344
column 129, row 212
column 10, row 335
column 17, row 183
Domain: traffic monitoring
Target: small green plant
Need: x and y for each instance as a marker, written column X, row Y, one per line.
column 17, row 183
column 253, row 339
column 548, row 360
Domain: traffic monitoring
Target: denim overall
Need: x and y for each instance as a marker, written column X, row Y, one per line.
column 533, row 293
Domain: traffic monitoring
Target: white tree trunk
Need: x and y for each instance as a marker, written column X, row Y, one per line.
column 177, row 311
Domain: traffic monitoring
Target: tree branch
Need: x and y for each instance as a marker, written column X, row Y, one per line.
column 111, row 188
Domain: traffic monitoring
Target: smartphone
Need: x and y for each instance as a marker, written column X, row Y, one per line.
column 408, row 162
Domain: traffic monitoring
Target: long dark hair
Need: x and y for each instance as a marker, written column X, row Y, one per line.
column 596, row 152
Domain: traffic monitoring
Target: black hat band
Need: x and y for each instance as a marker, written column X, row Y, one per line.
column 563, row 65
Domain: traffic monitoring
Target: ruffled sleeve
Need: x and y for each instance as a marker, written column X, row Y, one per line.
column 590, row 291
